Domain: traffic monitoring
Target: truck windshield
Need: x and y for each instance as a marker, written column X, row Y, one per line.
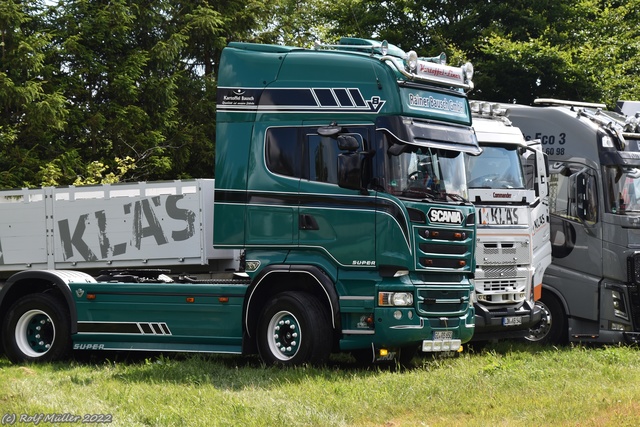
column 622, row 189
column 424, row 172
column 496, row 167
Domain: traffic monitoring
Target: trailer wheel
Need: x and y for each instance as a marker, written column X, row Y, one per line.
column 552, row 328
column 37, row 328
column 294, row 329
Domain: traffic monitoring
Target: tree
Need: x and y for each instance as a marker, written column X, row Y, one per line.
column 32, row 110
column 521, row 49
column 585, row 51
column 141, row 82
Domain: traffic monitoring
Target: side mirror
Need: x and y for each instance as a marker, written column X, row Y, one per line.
column 350, row 170
column 348, row 143
column 585, row 207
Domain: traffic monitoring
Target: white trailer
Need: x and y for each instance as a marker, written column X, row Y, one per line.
column 118, row 226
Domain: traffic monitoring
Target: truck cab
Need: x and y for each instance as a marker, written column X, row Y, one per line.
column 590, row 291
column 508, row 185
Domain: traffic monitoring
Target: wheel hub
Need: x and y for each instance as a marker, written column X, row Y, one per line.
column 542, row 328
column 35, row 333
column 285, row 335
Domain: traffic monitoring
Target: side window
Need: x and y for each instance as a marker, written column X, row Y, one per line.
column 530, row 167
column 283, row 152
column 322, row 152
column 573, row 193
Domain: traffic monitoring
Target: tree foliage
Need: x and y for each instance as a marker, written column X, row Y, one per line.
column 94, row 91
column 32, row 111
column 521, row 49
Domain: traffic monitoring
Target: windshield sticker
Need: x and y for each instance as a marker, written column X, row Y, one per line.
column 440, row 105
column 498, row 216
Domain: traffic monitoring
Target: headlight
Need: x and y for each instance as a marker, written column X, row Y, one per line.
column 619, row 308
column 395, row 299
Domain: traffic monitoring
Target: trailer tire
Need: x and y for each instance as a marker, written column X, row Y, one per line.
column 294, row 328
column 552, row 328
column 37, row 329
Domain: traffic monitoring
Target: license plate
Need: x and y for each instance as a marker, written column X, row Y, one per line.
column 442, row 335
column 511, row 321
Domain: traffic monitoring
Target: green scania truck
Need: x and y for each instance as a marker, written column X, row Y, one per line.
column 338, row 221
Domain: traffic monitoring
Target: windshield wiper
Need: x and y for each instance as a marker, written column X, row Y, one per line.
column 453, row 196
column 423, row 193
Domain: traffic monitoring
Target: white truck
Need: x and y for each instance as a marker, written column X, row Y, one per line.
column 508, row 185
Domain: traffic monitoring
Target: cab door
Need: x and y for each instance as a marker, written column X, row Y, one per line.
column 576, row 238
column 337, row 222
column 536, row 165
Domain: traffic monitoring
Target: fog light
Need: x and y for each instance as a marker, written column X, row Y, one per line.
column 397, row 315
column 618, row 327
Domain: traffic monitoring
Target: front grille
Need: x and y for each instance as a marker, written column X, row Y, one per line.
column 499, row 253
column 508, row 291
column 498, row 286
column 634, row 296
column 444, row 249
column 501, row 272
column 441, row 301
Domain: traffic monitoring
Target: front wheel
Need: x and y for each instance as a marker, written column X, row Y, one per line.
column 552, row 327
column 294, row 328
column 37, row 328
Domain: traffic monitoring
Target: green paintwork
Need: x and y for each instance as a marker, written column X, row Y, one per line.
column 357, row 232
column 129, row 315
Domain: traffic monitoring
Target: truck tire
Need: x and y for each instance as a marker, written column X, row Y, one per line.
column 37, row 329
column 552, row 328
column 294, row 328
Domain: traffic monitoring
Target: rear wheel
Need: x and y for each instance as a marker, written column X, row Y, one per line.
column 37, row 328
column 294, row 328
column 552, row 327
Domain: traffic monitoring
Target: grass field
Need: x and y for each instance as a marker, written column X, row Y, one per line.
column 507, row 384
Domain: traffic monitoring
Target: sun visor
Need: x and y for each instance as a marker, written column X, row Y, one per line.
column 424, row 133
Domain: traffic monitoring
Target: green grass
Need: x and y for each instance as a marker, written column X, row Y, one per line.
column 508, row 384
